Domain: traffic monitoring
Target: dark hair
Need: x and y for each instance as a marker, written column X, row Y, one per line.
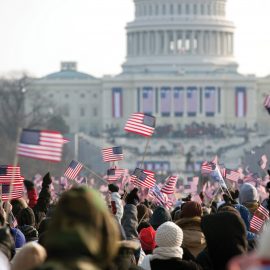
column 2, row 220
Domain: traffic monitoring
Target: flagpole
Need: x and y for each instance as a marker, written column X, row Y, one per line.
column 144, row 154
column 15, row 163
column 99, row 177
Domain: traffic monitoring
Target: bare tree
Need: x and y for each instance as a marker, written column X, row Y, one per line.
column 12, row 107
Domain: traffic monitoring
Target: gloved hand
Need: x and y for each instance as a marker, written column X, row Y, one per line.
column 28, row 184
column 47, row 180
column 132, row 197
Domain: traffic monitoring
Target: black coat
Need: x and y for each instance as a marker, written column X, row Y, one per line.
column 173, row 264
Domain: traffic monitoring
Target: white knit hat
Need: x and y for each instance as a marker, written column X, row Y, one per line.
column 169, row 235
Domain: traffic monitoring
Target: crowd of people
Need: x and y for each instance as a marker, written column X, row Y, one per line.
column 84, row 231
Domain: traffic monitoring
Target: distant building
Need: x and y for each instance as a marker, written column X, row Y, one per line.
column 179, row 67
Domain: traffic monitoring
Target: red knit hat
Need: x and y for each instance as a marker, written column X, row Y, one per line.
column 147, row 238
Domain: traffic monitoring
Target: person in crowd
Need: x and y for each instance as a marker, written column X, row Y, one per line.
column 29, row 257
column 190, row 223
column 26, row 223
column 147, row 239
column 168, row 253
column 82, row 233
column 225, row 235
column 160, row 215
column 116, row 202
column 44, row 199
column 257, row 260
column 266, row 202
column 248, row 196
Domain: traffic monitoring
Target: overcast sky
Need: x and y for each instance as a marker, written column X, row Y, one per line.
column 36, row 35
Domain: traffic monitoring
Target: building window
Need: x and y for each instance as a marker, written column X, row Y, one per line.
column 66, row 95
column 82, row 111
column 65, row 110
column 82, row 95
column 171, row 9
column 187, row 9
column 195, row 9
column 208, row 9
column 164, row 9
column 51, row 95
column 202, row 9
column 95, row 111
column 94, row 95
column 150, row 10
column 179, row 9
column 157, row 9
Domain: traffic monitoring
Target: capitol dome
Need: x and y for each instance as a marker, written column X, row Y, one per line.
column 172, row 36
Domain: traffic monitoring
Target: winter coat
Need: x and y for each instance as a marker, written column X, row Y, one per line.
column 225, row 234
column 173, row 264
column 117, row 206
column 130, row 221
column 194, row 239
column 44, row 199
column 160, row 216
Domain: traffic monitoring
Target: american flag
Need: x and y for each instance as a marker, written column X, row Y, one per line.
column 8, row 172
column 112, row 154
column 11, row 181
column 210, row 101
column 73, row 169
column 165, row 101
column 114, row 174
column 169, row 185
column 148, row 100
column 267, row 103
column 207, row 167
column 160, row 198
column 142, row 124
column 41, row 144
column 232, row 175
column 143, row 178
column 178, row 101
column 16, row 190
column 191, row 101
column 258, row 219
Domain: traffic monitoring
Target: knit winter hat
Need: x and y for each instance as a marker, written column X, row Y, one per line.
column 147, row 238
column 248, row 193
column 160, row 216
column 169, row 235
column 18, row 237
column 191, row 209
column 26, row 217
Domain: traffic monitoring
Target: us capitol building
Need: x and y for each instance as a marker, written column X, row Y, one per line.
column 179, row 66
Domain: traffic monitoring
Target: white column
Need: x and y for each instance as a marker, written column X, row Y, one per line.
column 217, row 43
column 147, row 43
column 156, row 43
column 192, row 37
column 141, row 43
column 222, row 43
column 200, row 42
column 232, row 43
column 166, row 42
column 225, row 44
column 175, row 41
column 184, row 41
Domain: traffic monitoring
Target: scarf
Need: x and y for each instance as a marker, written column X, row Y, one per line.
column 162, row 253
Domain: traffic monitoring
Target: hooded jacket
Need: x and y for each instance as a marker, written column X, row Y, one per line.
column 225, row 235
column 194, row 239
column 160, row 216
